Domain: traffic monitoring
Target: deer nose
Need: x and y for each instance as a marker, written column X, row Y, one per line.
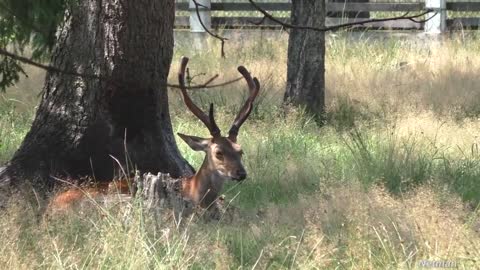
column 241, row 175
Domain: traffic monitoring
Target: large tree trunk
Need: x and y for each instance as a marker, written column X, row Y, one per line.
column 82, row 121
column 306, row 58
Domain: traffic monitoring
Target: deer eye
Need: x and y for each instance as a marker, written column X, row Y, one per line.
column 219, row 155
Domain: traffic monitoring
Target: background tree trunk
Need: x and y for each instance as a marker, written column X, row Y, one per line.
column 81, row 121
column 306, row 58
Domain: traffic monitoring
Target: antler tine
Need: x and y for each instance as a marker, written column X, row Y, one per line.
column 209, row 121
column 212, row 118
column 253, row 88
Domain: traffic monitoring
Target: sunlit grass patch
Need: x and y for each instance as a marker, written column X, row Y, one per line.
column 13, row 127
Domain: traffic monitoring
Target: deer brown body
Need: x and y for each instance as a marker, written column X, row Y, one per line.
column 66, row 199
column 222, row 155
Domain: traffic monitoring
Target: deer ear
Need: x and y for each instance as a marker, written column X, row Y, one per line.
column 196, row 143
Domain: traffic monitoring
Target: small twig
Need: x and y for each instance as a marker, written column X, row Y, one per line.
column 222, row 39
column 190, row 79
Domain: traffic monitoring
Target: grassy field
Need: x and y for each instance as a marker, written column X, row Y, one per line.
column 390, row 182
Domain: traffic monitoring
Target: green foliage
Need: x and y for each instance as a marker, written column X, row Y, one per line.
column 463, row 176
column 27, row 23
column 31, row 22
column 14, row 124
column 10, row 72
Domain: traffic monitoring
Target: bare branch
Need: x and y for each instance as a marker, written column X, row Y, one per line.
column 338, row 26
column 46, row 67
column 49, row 68
column 207, row 85
column 422, row 21
column 222, row 39
column 211, row 79
column 259, row 22
column 402, row 17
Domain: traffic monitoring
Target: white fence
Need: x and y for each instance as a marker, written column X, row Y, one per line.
column 440, row 23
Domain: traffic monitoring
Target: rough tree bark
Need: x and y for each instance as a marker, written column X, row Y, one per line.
column 306, row 55
column 81, row 121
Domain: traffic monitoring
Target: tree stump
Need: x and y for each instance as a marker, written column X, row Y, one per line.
column 161, row 192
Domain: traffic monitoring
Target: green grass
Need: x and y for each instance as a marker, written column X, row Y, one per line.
column 13, row 127
column 391, row 179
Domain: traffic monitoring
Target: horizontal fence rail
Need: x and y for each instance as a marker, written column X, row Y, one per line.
column 244, row 15
column 463, row 22
column 337, row 7
column 463, row 6
column 247, row 23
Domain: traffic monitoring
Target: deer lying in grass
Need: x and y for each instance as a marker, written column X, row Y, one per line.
column 222, row 156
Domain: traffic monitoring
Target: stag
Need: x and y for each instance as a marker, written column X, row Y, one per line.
column 223, row 157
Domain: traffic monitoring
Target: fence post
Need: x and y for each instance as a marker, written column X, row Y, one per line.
column 437, row 24
column 205, row 16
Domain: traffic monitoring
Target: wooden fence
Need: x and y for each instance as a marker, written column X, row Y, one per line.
column 437, row 24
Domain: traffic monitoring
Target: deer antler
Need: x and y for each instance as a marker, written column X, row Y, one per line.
column 209, row 120
column 253, row 88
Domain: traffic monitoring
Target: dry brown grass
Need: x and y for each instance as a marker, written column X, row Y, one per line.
column 442, row 78
column 373, row 230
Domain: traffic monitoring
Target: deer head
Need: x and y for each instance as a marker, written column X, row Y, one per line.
column 223, row 159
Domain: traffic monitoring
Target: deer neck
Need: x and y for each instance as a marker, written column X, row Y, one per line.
column 205, row 186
